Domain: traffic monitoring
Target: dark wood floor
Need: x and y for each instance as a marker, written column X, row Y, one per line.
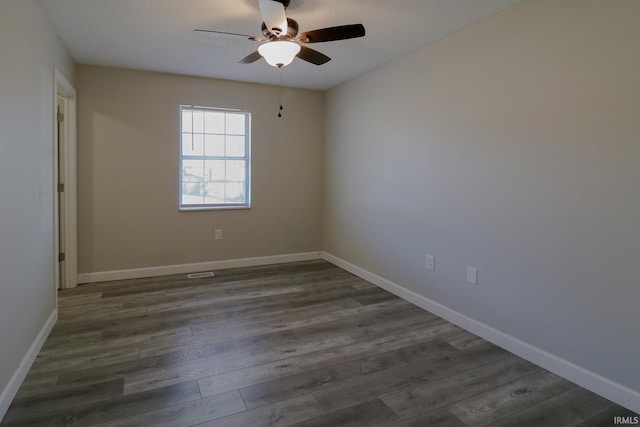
column 295, row 344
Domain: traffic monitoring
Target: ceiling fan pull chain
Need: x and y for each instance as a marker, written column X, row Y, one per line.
column 281, row 90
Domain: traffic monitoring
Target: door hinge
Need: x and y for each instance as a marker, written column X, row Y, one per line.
column 61, row 257
column 60, row 188
column 60, row 117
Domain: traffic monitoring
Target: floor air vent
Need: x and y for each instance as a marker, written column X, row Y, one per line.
column 200, row 275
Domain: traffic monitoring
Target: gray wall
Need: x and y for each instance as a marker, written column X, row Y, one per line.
column 511, row 146
column 128, row 164
column 29, row 49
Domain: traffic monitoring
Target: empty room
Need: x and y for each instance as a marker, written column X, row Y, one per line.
column 319, row 213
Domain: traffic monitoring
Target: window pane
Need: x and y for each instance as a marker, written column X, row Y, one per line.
column 192, row 181
column 192, row 200
column 215, row 193
column 187, row 142
column 235, row 192
column 214, row 145
column 192, row 191
column 215, row 170
column 235, row 146
column 192, row 145
column 198, row 121
column 192, row 171
column 186, row 121
column 214, row 122
column 235, row 170
column 235, row 124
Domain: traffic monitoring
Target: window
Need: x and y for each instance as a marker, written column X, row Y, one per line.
column 214, row 158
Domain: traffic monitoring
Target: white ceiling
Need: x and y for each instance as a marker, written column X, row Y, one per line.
column 157, row 35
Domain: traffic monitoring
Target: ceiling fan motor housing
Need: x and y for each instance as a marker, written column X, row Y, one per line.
column 292, row 30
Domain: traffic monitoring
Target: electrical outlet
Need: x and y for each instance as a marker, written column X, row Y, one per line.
column 472, row 276
column 430, row 262
column 218, row 233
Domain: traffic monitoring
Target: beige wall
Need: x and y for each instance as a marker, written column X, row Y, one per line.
column 513, row 147
column 29, row 49
column 128, row 135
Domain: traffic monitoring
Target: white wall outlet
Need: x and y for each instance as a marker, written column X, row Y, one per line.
column 430, row 262
column 472, row 275
column 218, row 233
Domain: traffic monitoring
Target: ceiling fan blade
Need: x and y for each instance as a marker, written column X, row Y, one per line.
column 274, row 16
column 313, row 56
column 341, row 32
column 246, row 36
column 252, row 57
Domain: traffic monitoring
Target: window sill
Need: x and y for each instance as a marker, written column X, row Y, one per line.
column 212, row 208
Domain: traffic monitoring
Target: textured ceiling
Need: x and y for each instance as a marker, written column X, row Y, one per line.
column 157, row 35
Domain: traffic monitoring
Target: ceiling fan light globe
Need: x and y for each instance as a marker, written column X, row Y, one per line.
column 279, row 53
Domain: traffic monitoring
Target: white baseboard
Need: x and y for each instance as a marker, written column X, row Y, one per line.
column 9, row 392
column 611, row 390
column 135, row 273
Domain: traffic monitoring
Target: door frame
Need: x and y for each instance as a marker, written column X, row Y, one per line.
column 68, row 175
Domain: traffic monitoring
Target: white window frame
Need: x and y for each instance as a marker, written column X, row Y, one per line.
column 246, row 159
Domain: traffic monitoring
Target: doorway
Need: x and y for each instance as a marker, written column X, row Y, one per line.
column 65, row 187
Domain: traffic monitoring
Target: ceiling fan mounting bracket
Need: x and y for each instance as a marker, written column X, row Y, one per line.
column 285, row 3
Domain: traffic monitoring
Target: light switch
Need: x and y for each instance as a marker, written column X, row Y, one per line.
column 430, row 262
column 472, row 275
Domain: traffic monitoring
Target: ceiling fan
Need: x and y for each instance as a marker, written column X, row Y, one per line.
column 281, row 41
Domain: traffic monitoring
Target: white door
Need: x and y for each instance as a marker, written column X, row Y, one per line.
column 65, row 243
column 61, row 193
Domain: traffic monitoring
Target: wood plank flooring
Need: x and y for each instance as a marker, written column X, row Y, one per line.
column 303, row 344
